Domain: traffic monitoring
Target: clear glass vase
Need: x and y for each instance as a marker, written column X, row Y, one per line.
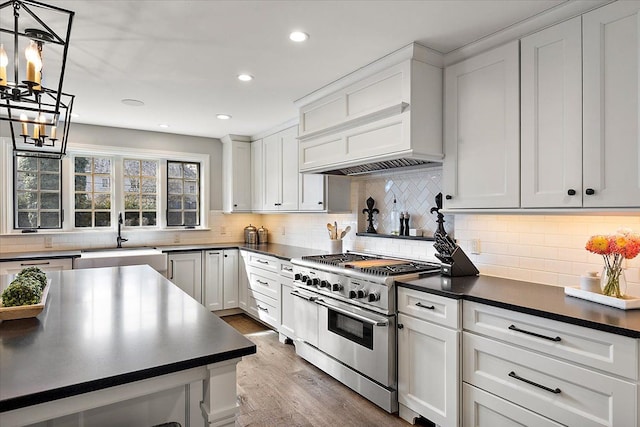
column 613, row 282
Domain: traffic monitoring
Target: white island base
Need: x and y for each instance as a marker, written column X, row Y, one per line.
column 202, row 396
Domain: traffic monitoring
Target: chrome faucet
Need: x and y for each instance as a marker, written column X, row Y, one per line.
column 120, row 239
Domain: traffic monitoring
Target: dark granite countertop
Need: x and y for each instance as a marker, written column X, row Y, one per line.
column 104, row 327
column 285, row 252
column 532, row 298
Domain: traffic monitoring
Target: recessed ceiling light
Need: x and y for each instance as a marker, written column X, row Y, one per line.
column 245, row 77
column 298, row 36
column 223, row 116
column 163, row 125
column 132, row 102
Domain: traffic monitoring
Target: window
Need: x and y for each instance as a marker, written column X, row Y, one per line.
column 140, row 192
column 183, row 193
column 37, row 194
column 92, row 184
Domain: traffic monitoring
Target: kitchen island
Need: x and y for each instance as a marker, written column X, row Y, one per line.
column 119, row 346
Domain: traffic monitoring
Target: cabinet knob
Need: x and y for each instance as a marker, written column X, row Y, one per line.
column 448, row 197
column 400, row 326
column 319, row 203
column 235, row 205
column 571, row 192
column 590, row 191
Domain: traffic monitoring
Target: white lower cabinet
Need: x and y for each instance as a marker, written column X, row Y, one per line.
column 287, row 315
column 221, row 279
column 49, row 264
column 517, row 371
column 185, row 271
column 480, row 408
column 428, row 357
column 243, row 281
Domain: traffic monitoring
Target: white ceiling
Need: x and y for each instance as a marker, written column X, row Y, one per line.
column 181, row 58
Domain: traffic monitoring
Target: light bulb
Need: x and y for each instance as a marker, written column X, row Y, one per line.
column 25, row 129
column 34, row 63
column 4, row 61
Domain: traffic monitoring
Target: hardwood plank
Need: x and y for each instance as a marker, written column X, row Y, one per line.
column 278, row 388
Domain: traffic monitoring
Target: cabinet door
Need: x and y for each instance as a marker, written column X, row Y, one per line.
column 551, row 116
column 15, row 267
column 241, row 176
column 286, row 307
column 428, row 370
column 272, row 166
column 482, row 127
column 312, row 192
column 243, row 281
column 185, row 270
column 257, row 176
column 611, row 41
column 230, row 278
column 214, row 280
column 289, row 169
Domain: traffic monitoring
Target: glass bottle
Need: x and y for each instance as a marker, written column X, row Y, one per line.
column 394, row 219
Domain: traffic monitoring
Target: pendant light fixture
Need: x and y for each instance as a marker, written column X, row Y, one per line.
column 33, row 104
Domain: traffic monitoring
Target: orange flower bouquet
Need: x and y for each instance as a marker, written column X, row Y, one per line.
column 625, row 244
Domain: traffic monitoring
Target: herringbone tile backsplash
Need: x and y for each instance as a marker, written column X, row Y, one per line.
column 414, row 191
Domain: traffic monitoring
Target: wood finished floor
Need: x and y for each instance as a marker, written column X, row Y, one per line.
column 278, row 388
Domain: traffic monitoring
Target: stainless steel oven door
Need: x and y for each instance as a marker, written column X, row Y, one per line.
column 305, row 314
column 362, row 340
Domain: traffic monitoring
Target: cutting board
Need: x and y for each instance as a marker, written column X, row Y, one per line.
column 374, row 263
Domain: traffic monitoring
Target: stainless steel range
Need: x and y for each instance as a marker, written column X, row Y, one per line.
column 345, row 318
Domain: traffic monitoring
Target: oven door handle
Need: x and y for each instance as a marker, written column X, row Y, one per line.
column 295, row 293
column 374, row 322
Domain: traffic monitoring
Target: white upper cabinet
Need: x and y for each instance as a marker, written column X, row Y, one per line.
column 611, row 106
column 482, row 131
column 280, row 171
column 257, row 176
column 324, row 193
column 551, row 117
column 236, row 164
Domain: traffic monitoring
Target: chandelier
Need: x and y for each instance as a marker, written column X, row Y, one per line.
column 37, row 111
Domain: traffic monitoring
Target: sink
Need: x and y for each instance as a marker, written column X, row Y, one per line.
column 115, row 257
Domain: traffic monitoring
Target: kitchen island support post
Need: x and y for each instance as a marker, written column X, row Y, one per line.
column 220, row 403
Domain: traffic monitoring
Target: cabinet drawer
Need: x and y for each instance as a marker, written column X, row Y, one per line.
column 264, row 282
column 264, row 308
column 560, row 391
column 426, row 306
column 263, row 261
column 285, row 269
column 50, row 264
column 601, row 350
column 482, row 409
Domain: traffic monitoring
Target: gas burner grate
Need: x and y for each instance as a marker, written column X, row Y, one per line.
column 337, row 259
column 398, row 269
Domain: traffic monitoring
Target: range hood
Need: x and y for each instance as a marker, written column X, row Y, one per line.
column 384, row 116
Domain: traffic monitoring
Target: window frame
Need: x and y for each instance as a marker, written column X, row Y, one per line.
column 39, row 191
column 183, row 210
column 119, row 153
column 140, row 194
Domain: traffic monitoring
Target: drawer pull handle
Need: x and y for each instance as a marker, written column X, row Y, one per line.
column 262, row 261
column 262, row 308
column 262, row 283
column 25, row 264
column 428, row 307
column 515, row 328
column 289, row 269
column 549, row 389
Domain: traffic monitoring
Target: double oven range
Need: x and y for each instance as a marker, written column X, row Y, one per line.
column 345, row 318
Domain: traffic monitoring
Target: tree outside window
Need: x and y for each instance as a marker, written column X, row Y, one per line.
column 92, row 185
column 183, row 193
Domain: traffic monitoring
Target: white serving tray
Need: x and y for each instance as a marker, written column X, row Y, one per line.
column 627, row 302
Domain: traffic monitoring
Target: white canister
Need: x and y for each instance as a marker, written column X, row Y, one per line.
column 590, row 282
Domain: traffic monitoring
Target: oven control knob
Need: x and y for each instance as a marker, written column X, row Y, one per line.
column 337, row 287
column 362, row 293
column 353, row 294
column 304, row 279
column 374, row 296
column 315, row 282
column 298, row 276
column 325, row 284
